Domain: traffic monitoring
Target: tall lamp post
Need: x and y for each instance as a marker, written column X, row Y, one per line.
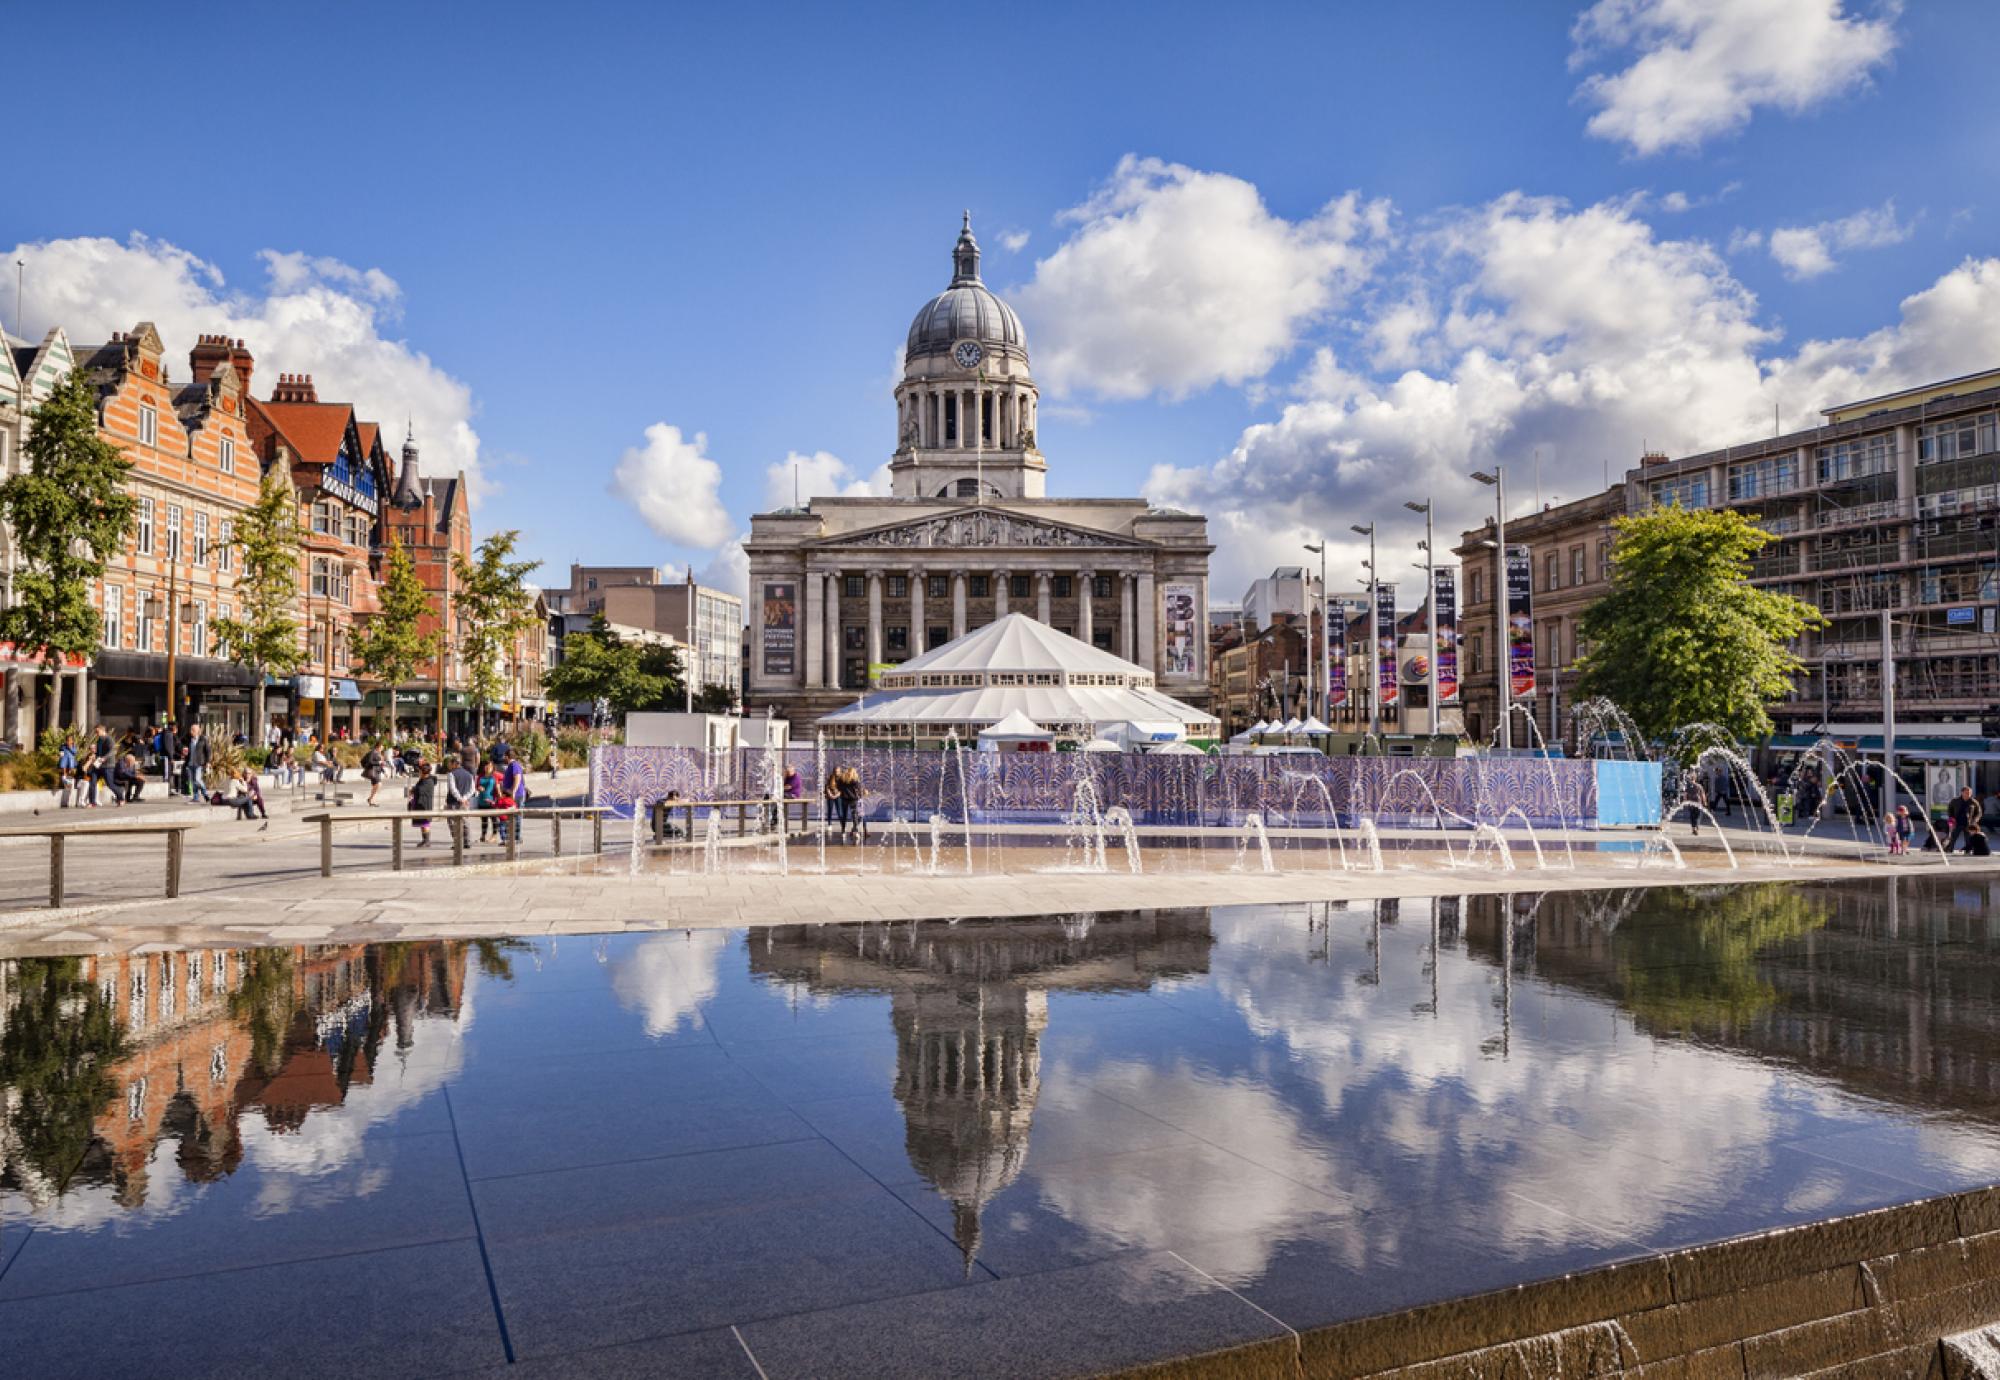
column 1326, row 644
column 1430, row 607
column 1503, row 648
column 694, row 649
column 1373, row 618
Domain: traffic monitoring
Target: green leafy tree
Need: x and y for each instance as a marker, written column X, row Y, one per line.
column 391, row 644
column 57, row 1050
column 70, row 513
column 1688, row 958
column 1682, row 637
column 715, row 699
column 491, row 592
column 266, row 637
column 597, row 665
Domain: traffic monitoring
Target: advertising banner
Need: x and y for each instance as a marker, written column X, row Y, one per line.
column 1520, row 624
column 1385, row 644
column 1179, row 598
column 1336, row 641
column 1447, row 633
column 781, row 629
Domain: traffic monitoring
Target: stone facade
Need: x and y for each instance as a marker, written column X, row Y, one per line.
column 845, row 584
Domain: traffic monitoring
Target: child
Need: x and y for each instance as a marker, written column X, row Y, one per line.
column 1904, row 827
column 1892, row 834
column 66, row 767
column 485, row 791
column 423, row 796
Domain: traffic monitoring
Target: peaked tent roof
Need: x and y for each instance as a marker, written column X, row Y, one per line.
column 1017, row 726
column 1019, row 643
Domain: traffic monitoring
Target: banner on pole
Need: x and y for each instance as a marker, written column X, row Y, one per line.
column 1520, row 623
column 1385, row 644
column 781, row 633
column 1446, row 596
column 1336, row 666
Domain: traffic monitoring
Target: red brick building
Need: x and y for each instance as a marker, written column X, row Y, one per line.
column 431, row 517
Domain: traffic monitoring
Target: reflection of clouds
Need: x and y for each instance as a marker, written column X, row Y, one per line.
column 668, row 977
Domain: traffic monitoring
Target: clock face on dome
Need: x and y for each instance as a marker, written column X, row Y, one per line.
column 968, row 354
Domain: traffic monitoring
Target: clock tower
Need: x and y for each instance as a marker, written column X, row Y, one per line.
column 965, row 409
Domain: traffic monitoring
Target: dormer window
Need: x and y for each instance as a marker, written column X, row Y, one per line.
column 149, row 425
column 225, row 456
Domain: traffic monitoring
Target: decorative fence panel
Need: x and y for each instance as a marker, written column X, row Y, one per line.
column 1158, row 789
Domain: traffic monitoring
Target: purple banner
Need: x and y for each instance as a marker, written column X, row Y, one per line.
column 1385, row 644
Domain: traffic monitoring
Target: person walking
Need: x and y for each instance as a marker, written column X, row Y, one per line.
column 373, row 768
column 66, row 766
column 1696, row 800
column 795, row 789
column 197, row 760
column 851, row 821
column 833, row 804
column 104, row 756
column 1718, row 788
column 1965, row 815
column 423, row 797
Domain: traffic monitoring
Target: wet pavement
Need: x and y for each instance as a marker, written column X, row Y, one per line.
column 1029, row 1146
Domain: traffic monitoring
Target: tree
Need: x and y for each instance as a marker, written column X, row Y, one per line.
column 70, row 514
column 715, row 699
column 56, row 1055
column 391, row 644
column 1682, row 637
column 599, row 665
column 492, row 596
column 266, row 637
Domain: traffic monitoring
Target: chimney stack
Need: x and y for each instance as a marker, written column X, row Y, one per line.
column 1653, row 457
column 294, row 388
column 245, row 362
column 210, row 353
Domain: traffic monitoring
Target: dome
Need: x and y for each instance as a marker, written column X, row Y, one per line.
column 966, row 310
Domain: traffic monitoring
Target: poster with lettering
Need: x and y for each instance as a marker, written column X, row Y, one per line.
column 781, row 629
column 1385, row 644
column 1336, row 670
column 1179, row 600
column 1520, row 624
column 1447, row 633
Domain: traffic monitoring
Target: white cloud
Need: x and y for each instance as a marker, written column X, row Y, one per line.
column 1704, row 66
column 1678, row 203
column 1013, row 241
column 819, row 475
column 315, row 316
column 674, row 486
column 1575, row 333
column 1807, row 251
column 1175, row 279
column 729, row 568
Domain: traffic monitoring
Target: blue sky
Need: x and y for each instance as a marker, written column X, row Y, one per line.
column 546, row 230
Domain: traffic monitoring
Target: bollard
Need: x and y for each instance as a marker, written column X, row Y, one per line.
column 174, row 862
column 396, row 845
column 55, row 871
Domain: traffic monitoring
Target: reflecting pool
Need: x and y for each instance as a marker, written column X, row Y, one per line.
column 877, row 1149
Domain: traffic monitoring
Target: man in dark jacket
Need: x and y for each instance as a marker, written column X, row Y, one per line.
column 197, row 761
column 168, row 745
column 1965, row 816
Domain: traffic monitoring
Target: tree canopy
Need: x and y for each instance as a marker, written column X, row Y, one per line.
column 491, row 594
column 597, row 664
column 391, row 644
column 70, row 513
column 1683, row 637
column 266, row 637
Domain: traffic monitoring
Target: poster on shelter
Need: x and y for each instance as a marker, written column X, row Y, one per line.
column 1520, row 624
column 781, row 629
column 1180, row 629
column 1385, row 645
column 1447, row 633
column 1336, row 666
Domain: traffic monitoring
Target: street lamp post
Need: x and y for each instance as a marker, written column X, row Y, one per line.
column 1326, row 643
column 1503, row 654
column 1373, row 620
column 1430, row 607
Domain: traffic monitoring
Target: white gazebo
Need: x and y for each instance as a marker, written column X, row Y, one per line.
column 1016, row 668
column 1014, row 731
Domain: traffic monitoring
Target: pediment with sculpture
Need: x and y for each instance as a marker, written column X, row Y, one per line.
column 974, row 527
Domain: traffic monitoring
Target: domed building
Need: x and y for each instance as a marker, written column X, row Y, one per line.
column 842, row 588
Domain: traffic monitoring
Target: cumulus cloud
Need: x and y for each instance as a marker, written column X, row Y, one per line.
column 819, row 475
column 1563, row 341
column 1174, row 279
column 675, row 486
column 1701, row 68
column 1013, row 241
column 314, row 315
column 1807, row 251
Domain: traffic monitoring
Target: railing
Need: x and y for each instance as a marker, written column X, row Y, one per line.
column 1890, row 510
column 58, row 836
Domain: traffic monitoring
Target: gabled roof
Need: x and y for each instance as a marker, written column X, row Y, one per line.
column 313, row 431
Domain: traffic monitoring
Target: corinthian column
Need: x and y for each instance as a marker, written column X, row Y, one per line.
column 874, row 617
column 957, row 604
column 1128, row 616
column 1000, row 578
column 833, row 630
column 917, row 644
column 1085, row 579
column 1042, row 578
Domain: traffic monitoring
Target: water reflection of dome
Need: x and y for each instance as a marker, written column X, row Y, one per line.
column 969, row 1004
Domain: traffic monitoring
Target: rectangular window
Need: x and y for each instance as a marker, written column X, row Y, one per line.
column 1477, row 591
column 1688, row 490
column 1063, row 588
column 142, row 621
column 1577, row 573
column 149, row 425
column 899, row 586
column 198, row 638
column 173, row 531
column 981, row 587
column 855, row 638
column 114, row 615
column 898, row 638
column 326, row 519
column 1551, row 572
column 1017, row 586
column 1101, row 638
column 319, row 578
column 936, row 586
column 221, row 642
column 1604, row 560
column 225, row 456
column 1475, row 653
column 145, row 527
column 850, row 586
column 201, row 538
column 1101, row 587
column 225, row 555
column 936, row 636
